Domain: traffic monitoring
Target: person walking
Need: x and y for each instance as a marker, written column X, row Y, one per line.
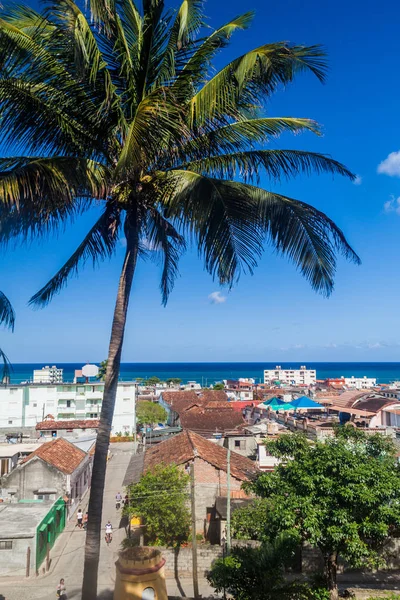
column 85, row 520
column 79, row 517
column 62, row 590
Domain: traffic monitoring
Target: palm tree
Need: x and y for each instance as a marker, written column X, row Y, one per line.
column 121, row 109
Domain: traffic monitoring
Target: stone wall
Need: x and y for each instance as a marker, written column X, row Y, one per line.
column 311, row 558
column 182, row 561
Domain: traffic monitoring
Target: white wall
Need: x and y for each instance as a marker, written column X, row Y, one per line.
column 296, row 376
column 25, row 406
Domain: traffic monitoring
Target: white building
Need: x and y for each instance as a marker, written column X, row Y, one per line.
column 359, row 383
column 27, row 405
column 48, row 375
column 290, row 376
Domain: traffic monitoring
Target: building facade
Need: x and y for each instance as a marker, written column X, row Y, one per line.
column 302, row 376
column 359, row 383
column 28, row 530
column 26, row 405
column 48, row 375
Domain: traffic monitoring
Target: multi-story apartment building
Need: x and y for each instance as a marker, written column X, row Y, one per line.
column 48, row 375
column 27, row 405
column 302, row 376
column 359, row 383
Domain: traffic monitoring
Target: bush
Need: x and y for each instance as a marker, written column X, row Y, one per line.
column 391, row 596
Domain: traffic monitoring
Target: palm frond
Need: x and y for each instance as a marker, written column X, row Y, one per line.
column 7, row 367
column 35, row 118
column 97, row 245
column 195, row 69
column 187, row 22
column 88, row 59
column 239, row 136
column 167, row 245
column 7, row 314
column 42, row 184
column 276, row 163
column 249, row 79
column 156, row 120
column 230, row 222
column 229, row 243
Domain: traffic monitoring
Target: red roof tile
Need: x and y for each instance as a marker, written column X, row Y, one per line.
column 74, row 424
column 59, row 453
column 207, row 421
column 187, row 445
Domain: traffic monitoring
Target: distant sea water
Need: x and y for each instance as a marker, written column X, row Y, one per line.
column 208, row 373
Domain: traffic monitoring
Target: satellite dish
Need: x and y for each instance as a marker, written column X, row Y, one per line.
column 90, row 371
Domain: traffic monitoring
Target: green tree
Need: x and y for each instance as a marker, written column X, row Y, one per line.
column 160, row 499
column 341, row 496
column 149, row 413
column 118, row 108
column 102, row 370
column 218, row 386
column 153, row 380
column 173, row 381
column 258, row 573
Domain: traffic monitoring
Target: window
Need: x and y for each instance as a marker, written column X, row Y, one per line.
column 238, row 444
column 10, row 421
column 44, row 496
column 34, row 404
column 6, row 545
column 68, row 403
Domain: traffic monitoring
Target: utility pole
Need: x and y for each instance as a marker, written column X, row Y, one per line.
column 228, row 504
column 194, row 541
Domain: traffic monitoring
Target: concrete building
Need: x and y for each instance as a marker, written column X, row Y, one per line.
column 26, row 405
column 26, row 531
column 54, row 469
column 210, row 470
column 48, row 375
column 302, row 376
column 359, row 383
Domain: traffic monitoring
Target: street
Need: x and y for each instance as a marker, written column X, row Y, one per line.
column 68, row 551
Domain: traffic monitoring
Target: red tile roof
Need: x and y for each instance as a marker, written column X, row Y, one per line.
column 172, row 398
column 207, row 421
column 74, row 424
column 213, row 396
column 188, row 445
column 59, row 453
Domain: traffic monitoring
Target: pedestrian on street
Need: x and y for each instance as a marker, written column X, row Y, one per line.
column 62, row 590
column 85, row 520
column 79, row 517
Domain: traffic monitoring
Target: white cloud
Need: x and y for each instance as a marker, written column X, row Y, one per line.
column 392, row 205
column 391, row 165
column 358, row 180
column 217, row 298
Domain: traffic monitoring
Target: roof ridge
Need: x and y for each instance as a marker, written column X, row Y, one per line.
column 189, row 434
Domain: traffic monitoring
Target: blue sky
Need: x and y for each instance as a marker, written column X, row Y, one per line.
column 273, row 315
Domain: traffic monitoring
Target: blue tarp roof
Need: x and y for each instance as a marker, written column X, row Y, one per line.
column 273, row 400
column 305, row 402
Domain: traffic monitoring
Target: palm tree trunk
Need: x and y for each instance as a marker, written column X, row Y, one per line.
column 93, row 534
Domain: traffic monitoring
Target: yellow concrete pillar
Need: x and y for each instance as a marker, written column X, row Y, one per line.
column 140, row 575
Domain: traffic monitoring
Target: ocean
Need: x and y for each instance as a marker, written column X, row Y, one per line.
column 208, row 373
